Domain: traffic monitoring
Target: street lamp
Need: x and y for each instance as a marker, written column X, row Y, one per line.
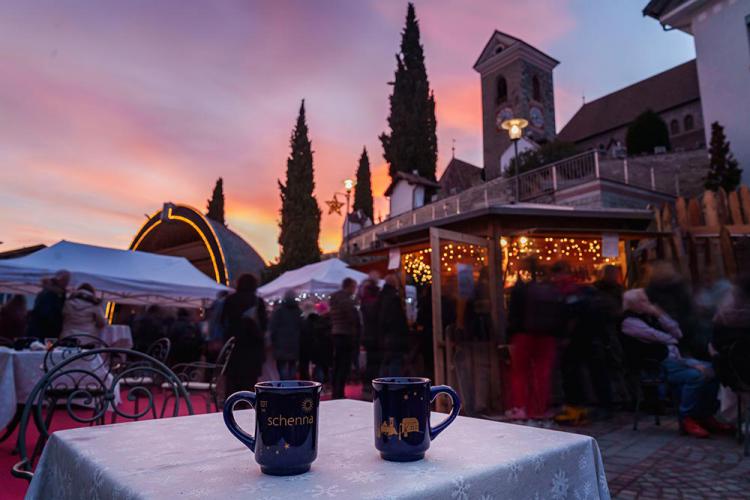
column 515, row 127
column 348, row 186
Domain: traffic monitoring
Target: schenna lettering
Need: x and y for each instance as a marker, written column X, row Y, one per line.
column 280, row 421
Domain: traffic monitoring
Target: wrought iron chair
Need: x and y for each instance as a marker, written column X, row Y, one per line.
column 70, row 346
column 650, row 377
column 158, row 350
column 83, row 387
column 193, row 376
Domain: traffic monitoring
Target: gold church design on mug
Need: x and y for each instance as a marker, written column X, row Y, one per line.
column 407, row 426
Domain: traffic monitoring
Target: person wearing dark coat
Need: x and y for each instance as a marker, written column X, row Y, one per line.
column 46, row 318
column 13, row 318
column 286, row 327
column 244, row 318
column 393, row 327
column 368, row 300
column 318, row 328
column 186, row 338
column 345, row 328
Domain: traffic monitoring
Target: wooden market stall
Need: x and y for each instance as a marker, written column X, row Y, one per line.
column 469, row 261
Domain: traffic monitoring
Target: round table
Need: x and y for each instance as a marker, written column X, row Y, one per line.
column 21, row 370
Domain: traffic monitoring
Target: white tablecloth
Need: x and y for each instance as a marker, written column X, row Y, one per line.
column 21, row 370
column 117, row 336
column 196, row 457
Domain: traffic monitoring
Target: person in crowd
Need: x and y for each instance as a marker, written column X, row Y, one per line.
column 732, row 331
column 306, row 340
column 148, row 327
column 345, row 330
column 286, row 327
column 83, row 313
column 668, row 290
column 244, row 318
column 533, row 338
column 319, row 324
column 13, row 318
column 649, row 333
column 215, row 326
column 393, row 327
column 186, row 338
column 368, row 303
column 46, row 317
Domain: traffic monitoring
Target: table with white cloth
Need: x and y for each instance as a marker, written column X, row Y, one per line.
column 117, row 336
column 21, row 370
column 196, row 457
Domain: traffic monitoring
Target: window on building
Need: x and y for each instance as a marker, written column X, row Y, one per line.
column 536, row 89
column 674, row 127
column 502, row 90
column 688, row 123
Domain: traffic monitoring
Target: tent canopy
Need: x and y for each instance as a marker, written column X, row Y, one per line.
column 122, row 276
column 323, row 277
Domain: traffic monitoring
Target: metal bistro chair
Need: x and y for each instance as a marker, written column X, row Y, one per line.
column 651, row 377
column 70, row 346
column 193, row 374
column 85, row 385
column 158, row 350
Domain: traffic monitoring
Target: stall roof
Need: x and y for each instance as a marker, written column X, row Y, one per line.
column 323, row 277
column 123, row 276
column 514, row 217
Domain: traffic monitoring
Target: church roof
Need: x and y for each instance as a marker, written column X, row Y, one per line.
column 459, row 176
column 661, row 92
column 411, row 179
column 504, row 42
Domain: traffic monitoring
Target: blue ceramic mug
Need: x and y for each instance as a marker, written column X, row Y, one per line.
column 286, row 425
column 402, row 416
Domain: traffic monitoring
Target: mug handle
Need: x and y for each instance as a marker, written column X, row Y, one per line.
column 231, row 423
column 456, row 401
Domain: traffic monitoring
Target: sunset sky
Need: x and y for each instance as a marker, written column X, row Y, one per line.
column 109, row 108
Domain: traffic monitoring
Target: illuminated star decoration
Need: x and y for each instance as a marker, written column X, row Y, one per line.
column 334, row 205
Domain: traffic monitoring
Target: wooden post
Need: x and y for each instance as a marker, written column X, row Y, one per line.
column 438, row 337
column 497, row 311
column 734, row 208
column 744, row 195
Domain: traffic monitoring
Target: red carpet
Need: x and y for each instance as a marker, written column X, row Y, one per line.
column 13, row 488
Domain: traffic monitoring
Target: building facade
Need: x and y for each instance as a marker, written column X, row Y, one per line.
column 721, row 31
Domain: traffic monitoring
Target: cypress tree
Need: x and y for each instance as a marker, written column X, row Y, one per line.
column 215, row 207
column 723, row 169
column 363, row 189
column 412, row 142
column 300, row 214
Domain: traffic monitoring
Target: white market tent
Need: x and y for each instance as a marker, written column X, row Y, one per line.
column 121, row 276
column 323, row 277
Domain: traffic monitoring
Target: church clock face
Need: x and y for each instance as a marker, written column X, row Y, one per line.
column 536, row 117
column 504, row 114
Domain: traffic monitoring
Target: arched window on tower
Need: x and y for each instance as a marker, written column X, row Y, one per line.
column 688, row 123
column 674, row 127
column 502, row 90
column 536, row 89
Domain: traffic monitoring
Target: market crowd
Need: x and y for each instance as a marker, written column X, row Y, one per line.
column 578, row 351
column 604, row 341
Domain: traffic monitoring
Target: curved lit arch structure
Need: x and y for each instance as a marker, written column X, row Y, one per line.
column 210, row 246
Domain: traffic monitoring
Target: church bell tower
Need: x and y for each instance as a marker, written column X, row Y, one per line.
column 516, row 83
